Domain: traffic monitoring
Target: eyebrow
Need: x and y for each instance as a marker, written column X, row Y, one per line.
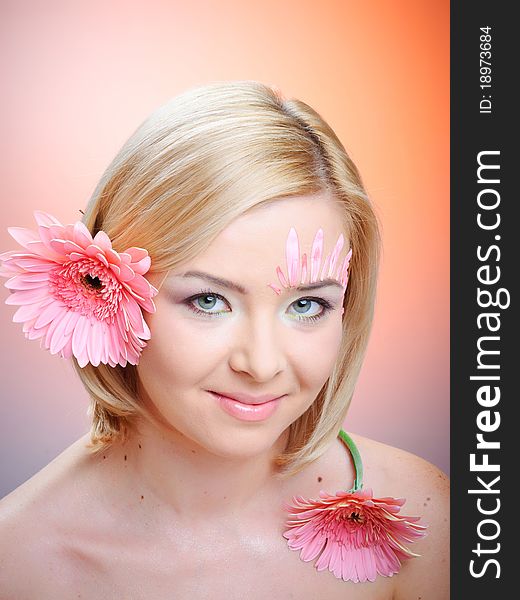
column 238, row 288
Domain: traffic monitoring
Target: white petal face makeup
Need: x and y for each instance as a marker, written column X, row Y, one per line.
column 297, row 269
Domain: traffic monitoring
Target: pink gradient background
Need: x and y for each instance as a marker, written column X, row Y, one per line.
column 78, row 78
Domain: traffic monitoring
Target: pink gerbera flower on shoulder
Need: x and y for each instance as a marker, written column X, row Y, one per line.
column 77, row 294
column 358, row 536
column 355, row 535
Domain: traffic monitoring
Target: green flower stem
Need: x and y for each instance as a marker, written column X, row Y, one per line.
column 356, row 457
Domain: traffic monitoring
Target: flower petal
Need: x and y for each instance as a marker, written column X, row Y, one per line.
column 94, row 341
column 25, row 282
column 316, row 252
column 142, row 266
column 102, row 240
column 26, row 312
column 335, row 255
column 134, row 313
column 81, row 235
column 22, row 235
column 35, row 264
column 43, row 218
column 66, row 351
column 140, row 286
column 75, row 256
column 312, row 548
column 59, row 339
column 75, row 315
column 92, row 250
column 363, row 536
column 50, row 313
column 292, row 256
column 136, row 253
column 79, row 341
column 325, row 266
column 125, row 257
column 102, row 259
column 304, row 268
column 115, row 269
column 30, row 296
column 126, row 273
column 281, row 277
column 38, row 247
column 51, row 232
column 113, row 257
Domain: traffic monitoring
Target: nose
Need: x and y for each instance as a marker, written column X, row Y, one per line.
column 258, row 350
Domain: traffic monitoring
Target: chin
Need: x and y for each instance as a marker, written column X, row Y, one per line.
column 241, row 443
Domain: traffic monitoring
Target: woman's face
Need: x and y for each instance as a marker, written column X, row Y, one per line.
column 209, row 337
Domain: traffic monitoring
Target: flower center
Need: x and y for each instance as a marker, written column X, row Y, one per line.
column 356, row 517
column 88, row 287
column 93, row 282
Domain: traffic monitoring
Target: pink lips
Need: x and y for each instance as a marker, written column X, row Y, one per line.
column 247, row 399
column 248, row 411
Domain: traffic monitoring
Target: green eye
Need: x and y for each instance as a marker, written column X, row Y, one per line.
column 206, row 300
column 303, row 303
column 212, row 301
column 303, row 307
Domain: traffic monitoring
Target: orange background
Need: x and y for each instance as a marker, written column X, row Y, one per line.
column 78, row 78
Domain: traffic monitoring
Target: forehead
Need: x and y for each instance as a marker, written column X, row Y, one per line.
column 260, row 235
column 253, row 245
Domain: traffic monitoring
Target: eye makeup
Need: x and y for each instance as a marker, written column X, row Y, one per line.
column 208, row 293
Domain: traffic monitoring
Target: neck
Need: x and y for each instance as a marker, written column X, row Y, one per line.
column 193, row 485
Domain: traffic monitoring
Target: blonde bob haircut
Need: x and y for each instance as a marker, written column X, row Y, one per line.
column 197, row 163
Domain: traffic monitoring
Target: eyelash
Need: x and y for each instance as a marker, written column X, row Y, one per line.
column 325, row 304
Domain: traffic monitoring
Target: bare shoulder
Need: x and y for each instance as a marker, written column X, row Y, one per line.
column 22, row 548
column 396, row 467
column 33, row 529
column 391, row 471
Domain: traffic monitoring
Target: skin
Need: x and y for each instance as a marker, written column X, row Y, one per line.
column 257, row 345
column 191, row 495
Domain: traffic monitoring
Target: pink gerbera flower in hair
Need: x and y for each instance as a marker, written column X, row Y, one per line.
column 358, row 536
column 77, row 294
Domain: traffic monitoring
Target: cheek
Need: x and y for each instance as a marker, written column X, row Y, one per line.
column 314, row 358
column 176, row 354
column 183, row 351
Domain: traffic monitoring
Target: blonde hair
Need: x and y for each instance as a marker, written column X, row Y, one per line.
column 196, row 164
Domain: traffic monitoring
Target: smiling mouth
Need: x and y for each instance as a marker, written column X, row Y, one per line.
column 246, row 411
column 245, row 399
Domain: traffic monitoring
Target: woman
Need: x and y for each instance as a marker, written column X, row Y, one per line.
column 220, row 373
